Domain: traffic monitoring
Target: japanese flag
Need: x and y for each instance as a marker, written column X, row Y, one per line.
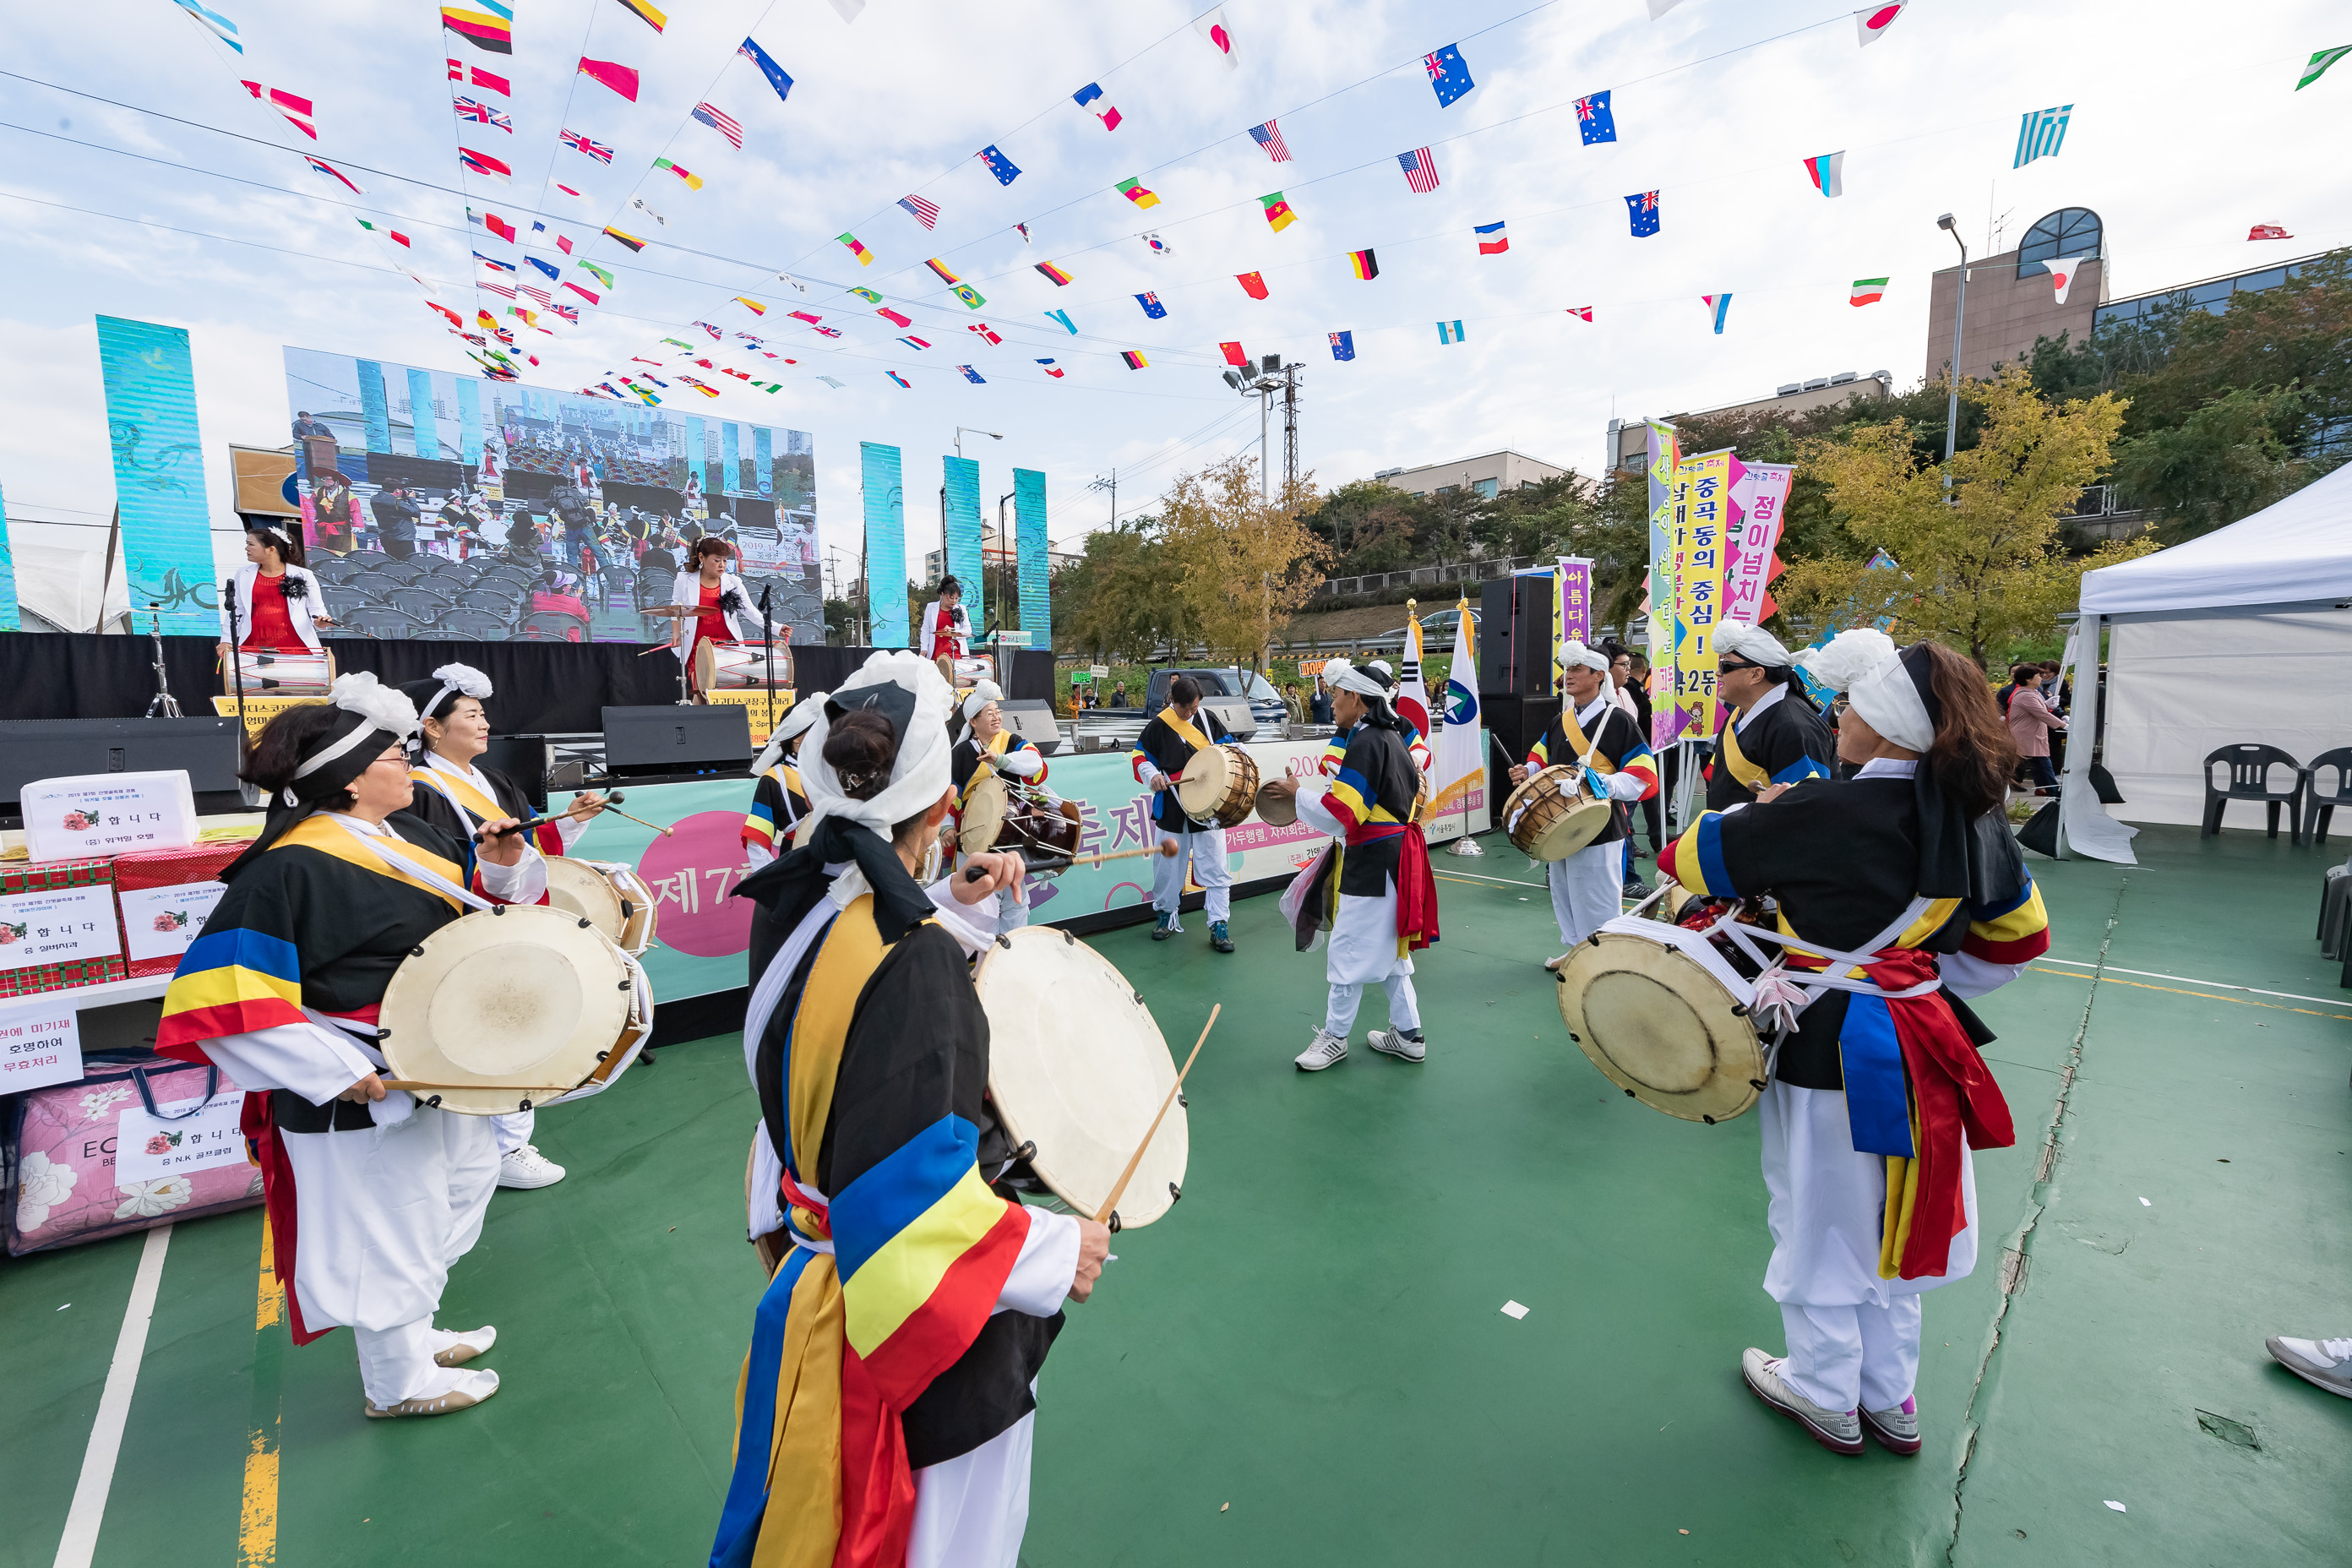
column 1211, row 26
column 2062, row 274
column 1872, row 21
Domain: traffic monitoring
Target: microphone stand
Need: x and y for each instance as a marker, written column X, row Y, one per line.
column 163, row 705
column 768, row 646
column 237, row 669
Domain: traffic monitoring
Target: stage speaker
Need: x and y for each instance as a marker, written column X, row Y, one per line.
column 675, row 738
column 1233, row 713
column 206, row 748
column 1032, row 719
column 523, row 758
column 1515, row 723
column 1515, row 636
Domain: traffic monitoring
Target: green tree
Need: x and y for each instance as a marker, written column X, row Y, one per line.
column 1113, row 602
column 2225, row 460
column 1242, row 565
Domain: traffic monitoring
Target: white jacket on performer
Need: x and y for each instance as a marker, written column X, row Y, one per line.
column 962, row 628
column 300, row 611
column 687, row 589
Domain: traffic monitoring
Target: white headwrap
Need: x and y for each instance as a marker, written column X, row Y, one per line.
column 986, row 693
column 804, row 714
column 1866, row 666
column 462, row 678
column 1753, row 643
column 384, row 709
column 918, row 779
column 1573, row 653
column 1373, row 680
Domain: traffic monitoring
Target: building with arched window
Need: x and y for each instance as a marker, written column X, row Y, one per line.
column 2013, row 298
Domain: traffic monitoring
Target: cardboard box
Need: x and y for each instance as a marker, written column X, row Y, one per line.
column 165, row 896
column 58, row 926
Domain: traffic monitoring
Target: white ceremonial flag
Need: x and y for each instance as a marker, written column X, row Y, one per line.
column 1461, row 763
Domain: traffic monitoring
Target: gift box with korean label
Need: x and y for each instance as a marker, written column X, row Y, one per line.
column 132, row 1145
column 165, row 896
column 58, row 926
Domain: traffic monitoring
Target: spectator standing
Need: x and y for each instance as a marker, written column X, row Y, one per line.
column 395, row 522
column 1294, row 702
column 1318, row 708
column 1119, row 695
column 2030, row 720
column 555, row 595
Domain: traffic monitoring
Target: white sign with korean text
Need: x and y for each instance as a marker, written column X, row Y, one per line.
column 40, row 1045
column 160, row 923
column 108, row 814
column 188, row 1136
column 60, row 925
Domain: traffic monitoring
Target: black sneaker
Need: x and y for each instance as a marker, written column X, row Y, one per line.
column 1165, row 929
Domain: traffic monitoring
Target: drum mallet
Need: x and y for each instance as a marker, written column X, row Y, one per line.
column 535, row 822
column 1103, row 1216
column 1166, row 847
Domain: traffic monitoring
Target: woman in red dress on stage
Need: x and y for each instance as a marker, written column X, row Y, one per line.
column 722, row 606
column 278, row 605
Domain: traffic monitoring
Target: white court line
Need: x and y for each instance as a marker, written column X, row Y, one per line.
column 2219, row 985
column 88, row 1512
column 1474, row 877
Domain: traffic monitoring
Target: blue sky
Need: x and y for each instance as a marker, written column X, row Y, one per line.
column 2185, row 131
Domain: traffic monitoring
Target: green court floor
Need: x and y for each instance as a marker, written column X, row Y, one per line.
column 1306, row 1362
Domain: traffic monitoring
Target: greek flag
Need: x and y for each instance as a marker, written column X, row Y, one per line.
column 2040, row 133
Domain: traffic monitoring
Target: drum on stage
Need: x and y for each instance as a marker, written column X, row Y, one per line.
column 282, row 673
column 512, row 1008
column 606, row 893
column 1662, row 1013
column 1077, row 1067
column 1219, row 784
column 735, row 667
column 1549, row 817
column 967, row 672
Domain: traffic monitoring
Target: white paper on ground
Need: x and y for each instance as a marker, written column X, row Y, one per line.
column 2116, row 1506
column 1513, row 1309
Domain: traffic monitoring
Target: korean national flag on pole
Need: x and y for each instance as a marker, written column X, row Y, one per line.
column 1449, row 77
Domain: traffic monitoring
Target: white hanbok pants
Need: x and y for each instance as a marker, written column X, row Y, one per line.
column 513, row 1129
column 1588, row 890
column 1203, row 851
column 971, row 1511
column 380, row 1215
column 1854, row 1338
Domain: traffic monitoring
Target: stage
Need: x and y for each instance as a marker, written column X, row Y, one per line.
column 1315, row 1337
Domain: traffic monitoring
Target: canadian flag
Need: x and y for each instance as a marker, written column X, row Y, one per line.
column 2062, row 274
column 1872, row 22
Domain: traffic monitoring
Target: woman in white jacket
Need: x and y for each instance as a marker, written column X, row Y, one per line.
column 276, row 599
column 723, row 607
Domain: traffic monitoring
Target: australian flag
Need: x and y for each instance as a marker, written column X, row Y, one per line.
column 1151, row 305
column 1593, row 121
column 999, row 166
column 1343, row 345
column 1449, row 78
column 1641, row 210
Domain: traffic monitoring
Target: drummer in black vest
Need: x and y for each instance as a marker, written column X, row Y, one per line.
column 1167, row 743
column 1587, row 888
column 1771, row 732
column 988, row 750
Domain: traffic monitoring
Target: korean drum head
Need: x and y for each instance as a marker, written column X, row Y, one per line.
column 1549, row 818
column 621, row 905
column 519, row 1005
column 984, row 816
column 1665, row 1019
column 1200, row 787
column 1077, row 1066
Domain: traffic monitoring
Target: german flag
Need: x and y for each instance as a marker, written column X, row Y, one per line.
column 631, row 241
column 935, row 265
column 645, row 13
column 1059, row 278
column 490, row 28
column 1366, row 269
column 1134, row 361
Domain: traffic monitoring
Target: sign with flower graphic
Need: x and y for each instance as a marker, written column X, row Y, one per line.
column 176, row 1141
column 160, row 923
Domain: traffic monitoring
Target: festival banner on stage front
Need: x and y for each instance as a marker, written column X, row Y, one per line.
column 1665, row 455
column 886, row 545
column 1702, row 507
column 159, row 473
column 1750, row 561
column 961, row 524
column 1031, row 546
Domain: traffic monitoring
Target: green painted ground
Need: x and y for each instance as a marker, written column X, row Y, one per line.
column 1314, row 1336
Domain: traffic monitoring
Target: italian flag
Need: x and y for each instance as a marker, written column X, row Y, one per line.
column 1867, row 291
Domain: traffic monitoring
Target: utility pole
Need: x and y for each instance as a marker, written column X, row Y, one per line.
column 1289, row 427
column 1111, row 484
column 1273, row 376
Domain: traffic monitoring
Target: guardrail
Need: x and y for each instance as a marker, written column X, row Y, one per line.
column 1444, row 573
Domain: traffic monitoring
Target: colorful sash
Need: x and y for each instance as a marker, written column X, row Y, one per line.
column 460, row 792
column 332, row 838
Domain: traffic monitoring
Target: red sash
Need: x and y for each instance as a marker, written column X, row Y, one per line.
column 1952, row 1092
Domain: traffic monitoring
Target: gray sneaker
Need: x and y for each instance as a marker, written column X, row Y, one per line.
column 1897, row 1430
column 2323, row 1364
column 1393, row 1043
column 1325, row 1050
column 1838, row 1431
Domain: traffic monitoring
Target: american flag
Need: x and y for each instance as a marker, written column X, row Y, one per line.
column 482, row 113
column 1269, row 136
column 578, row 143
column 500, row 290
column 1420, row 170
column 718, row 119
column 531, row 292
column 924, row 213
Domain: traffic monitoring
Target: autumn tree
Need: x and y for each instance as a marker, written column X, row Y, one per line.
column 1114, row 600
column 1241, row 566
column 1984, row 563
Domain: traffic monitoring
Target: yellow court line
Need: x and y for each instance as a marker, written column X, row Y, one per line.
column 2206, row 996
column 256, row 1534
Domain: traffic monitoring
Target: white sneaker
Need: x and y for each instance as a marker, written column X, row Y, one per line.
column 1392, row 1042
column 1838, row 1431
column 527, row 1167
column 469, row 1389
column 459, row 1346
column 2323, row 1364
column 1321, row 1052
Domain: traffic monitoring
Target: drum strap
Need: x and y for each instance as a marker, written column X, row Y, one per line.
column 412, row 871
column 1782, row 995
column 460, row 793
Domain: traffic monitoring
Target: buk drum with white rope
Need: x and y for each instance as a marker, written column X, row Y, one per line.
column 1665, row 1016
column 267, row 674
column 608, row 894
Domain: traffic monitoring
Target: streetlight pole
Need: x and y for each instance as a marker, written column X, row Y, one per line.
column 1959, row 314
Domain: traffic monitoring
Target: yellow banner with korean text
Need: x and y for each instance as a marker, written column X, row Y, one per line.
column 758, row 704
column 1702, row 513
column 259, row 710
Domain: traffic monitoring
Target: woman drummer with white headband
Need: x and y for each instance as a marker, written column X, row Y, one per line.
column 778, row 802
column 988, row 749
column 1587, row 888
column 457, row 796
column 372, row 1197
column 895, row 1353
column 1901, row 891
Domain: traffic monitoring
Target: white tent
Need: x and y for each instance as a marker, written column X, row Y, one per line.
column 2244, row 633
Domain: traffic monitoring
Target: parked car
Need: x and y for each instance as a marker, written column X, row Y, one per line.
column 1264, row 702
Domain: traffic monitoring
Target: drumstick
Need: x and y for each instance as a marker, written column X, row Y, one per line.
column 1102, row 1216
column 413, row 1086
column 1166, row 847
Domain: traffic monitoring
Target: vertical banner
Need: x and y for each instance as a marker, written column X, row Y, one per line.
column 10, row 619
column 1572, row 605
column 1751, row 560
column 763, row 460
column 469, row 422
column 1702, row 502
column 962, row 530
column 732, row 460
column 1030, row 542
column 886, row 545
column 691, row 480
column 159, row 472
column 423, row 427
column 1665, row 455
column 375, row 411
